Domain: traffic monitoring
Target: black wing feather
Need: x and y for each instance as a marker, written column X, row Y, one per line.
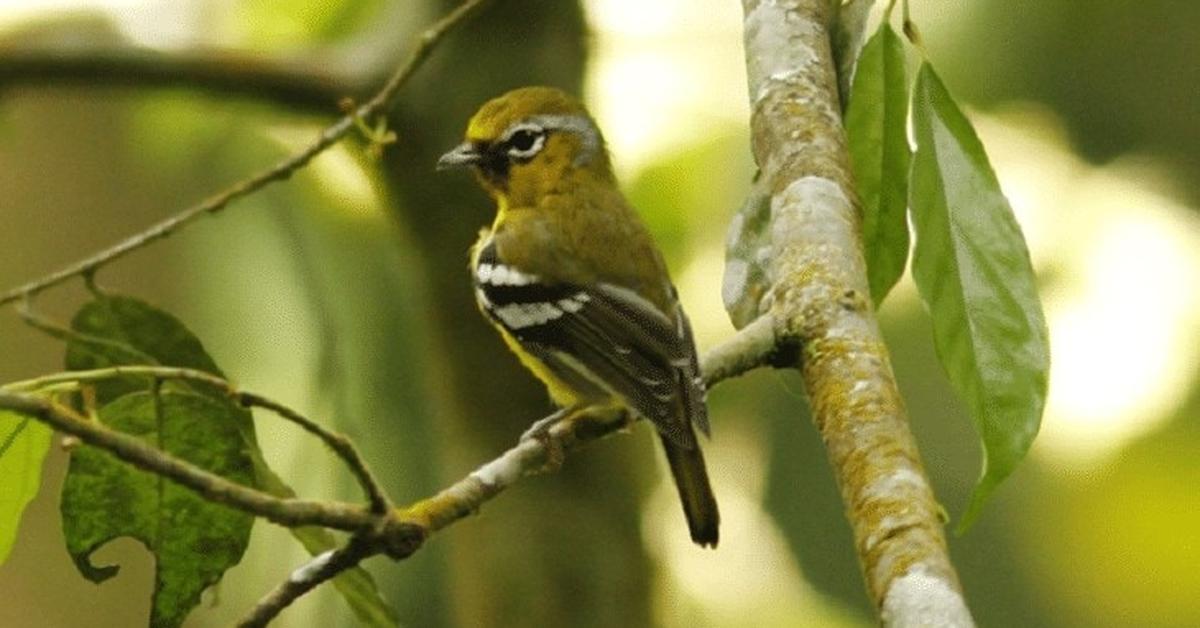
column 620, row 338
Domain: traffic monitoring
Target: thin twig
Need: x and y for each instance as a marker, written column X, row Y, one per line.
column 745, row 351
column 340, row 445
column 398, row 533
column 530, row 456
column 64, row 333
column 753, row 346
column 213, row 487
column 378, row 103
column 321, row 568
column 337, row 442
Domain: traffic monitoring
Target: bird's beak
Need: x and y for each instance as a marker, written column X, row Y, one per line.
column 463, row 155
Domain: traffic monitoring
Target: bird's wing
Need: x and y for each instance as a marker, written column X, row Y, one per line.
column 604, row 334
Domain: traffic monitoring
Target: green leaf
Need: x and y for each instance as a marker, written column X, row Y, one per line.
column 116, row 330
column 972, row 268
column 23, row 446
column 193, row 540
column 875, row 125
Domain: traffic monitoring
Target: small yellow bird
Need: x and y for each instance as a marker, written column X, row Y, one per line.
column 572, row 280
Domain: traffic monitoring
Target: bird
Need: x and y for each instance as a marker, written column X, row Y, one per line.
column 572, row 280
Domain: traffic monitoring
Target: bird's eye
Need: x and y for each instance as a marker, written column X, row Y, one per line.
column 525, row 143
column 523, row 140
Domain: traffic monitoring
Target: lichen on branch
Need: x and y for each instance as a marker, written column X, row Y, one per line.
column 816, row 291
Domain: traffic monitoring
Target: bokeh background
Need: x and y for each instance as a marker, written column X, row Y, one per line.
column 344, row 293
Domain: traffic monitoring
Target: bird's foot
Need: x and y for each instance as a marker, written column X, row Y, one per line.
column 541, row 431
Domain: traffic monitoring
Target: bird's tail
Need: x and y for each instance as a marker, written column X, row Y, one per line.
column 699, row 504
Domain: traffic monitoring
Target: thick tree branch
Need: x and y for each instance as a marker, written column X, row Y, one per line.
column 378, row 103
column 820, row 298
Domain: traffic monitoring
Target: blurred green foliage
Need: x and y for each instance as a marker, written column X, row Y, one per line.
column 1121, row 75
column 268, row 26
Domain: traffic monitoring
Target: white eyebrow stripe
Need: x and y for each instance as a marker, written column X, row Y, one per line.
column 523, row 125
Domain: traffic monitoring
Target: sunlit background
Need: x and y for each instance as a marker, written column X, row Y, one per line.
column 326, row 292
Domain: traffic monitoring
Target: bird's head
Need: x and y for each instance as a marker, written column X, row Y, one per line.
column 530, row 142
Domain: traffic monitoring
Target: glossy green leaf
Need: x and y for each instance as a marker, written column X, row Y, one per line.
column 875, row 126
column 972, row 268
column 115, row 330
column 23, row 446
column 194, row 541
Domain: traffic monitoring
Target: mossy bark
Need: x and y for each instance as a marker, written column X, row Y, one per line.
column 819, row 298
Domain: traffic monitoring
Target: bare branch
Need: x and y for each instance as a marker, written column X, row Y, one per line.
column 820, row 298
column 529, row 457
column 321, row 568
column 340, row 445
column 337, row 442
column 397, row 532
column 286, row 512
column 378, row 103
column 748, row 349
column 745, row 351
column 753, row 346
